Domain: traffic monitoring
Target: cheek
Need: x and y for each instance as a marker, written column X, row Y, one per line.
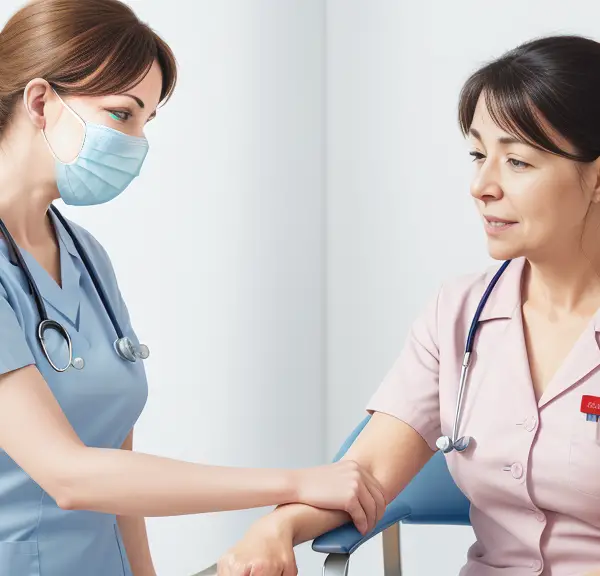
column 553, row 206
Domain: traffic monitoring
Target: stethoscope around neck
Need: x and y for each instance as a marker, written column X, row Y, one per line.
column 123, row 345
column 448, row 443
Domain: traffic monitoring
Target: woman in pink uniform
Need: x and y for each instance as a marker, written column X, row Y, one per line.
column 532, row 472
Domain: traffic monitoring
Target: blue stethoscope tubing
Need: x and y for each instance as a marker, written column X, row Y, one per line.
column 123, row 345
column 448, row 443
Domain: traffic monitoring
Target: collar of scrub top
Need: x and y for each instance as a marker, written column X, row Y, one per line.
column 61, row 297
column 505, row 298
column 65, row 298
column 506, row 295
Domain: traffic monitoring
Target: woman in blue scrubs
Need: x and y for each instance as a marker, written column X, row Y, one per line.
column 78, row 82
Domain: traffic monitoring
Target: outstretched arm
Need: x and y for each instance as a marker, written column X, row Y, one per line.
column 36, row 434
column 389, row 449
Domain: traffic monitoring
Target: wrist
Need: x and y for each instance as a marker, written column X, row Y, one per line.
column 274, row 525
column 291, row 487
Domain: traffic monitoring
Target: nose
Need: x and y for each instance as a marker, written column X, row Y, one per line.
column 485, row 184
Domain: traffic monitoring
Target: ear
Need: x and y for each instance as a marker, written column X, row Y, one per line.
column 36, row 95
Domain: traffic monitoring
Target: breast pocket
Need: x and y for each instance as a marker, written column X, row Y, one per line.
column 19, row 558
column 584, row 457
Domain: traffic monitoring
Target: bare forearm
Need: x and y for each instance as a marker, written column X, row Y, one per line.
column 135, row 538
column 391, row 450
column 305, row 522
column 135, row 484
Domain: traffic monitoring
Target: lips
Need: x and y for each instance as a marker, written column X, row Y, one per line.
column 494, row 219
column 495, row 226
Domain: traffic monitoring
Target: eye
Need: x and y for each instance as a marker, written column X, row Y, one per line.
column 476, row 156
column 518, row 163
column 120, row 115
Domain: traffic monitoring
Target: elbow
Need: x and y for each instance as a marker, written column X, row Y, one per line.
column 68, row 500
column 66, row 486
column 65, row 493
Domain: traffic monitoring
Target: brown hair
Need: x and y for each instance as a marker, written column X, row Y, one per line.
column 81, row 47
column 552, row 77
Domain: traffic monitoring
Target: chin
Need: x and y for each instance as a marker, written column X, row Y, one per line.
column 503, row 250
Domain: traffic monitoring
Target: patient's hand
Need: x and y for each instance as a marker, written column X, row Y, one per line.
column 267, row 549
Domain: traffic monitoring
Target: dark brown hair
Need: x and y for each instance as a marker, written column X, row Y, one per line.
column 556, row 78
column 81, row 47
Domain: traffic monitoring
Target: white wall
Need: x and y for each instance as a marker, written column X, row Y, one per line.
column 292, row 115
column 399, row 215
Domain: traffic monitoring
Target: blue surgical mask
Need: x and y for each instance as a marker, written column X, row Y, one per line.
column 106, row 164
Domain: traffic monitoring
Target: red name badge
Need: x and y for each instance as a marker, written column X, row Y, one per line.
column 590, row 405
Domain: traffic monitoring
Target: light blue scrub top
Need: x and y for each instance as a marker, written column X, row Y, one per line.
column 102, row 402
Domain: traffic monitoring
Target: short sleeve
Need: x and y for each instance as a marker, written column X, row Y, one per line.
column 410, row 390
column 15, row 352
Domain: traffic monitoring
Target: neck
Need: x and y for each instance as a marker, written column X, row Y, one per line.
column 24, row 200
column 566, row 282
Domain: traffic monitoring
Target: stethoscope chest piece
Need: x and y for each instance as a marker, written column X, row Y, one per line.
column 127, row 350
column 446, row 445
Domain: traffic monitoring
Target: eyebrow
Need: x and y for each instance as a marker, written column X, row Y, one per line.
column 501, row 140
column 140, row 103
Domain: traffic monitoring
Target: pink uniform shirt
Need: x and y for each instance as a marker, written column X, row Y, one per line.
column 532, row 472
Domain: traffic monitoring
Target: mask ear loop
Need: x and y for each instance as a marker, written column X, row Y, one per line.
column 79, row 119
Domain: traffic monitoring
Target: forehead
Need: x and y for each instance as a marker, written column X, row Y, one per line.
column 149, row 88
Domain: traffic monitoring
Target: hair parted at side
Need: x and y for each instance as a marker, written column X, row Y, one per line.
column 555, row 78
column 81, row 47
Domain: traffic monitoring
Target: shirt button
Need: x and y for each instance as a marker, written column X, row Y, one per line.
column 536, row 565
column 516, row 470
column 530, row 424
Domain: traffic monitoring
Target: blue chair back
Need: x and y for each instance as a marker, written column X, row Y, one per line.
column 432, row 495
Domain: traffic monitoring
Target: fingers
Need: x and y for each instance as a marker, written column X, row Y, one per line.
column 377, row 492
column 230, row 566
column 283, row 567
column 367, row 504
column 291, row 569
column 357, row 513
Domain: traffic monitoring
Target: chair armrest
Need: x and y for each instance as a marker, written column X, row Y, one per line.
column 346, row 539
